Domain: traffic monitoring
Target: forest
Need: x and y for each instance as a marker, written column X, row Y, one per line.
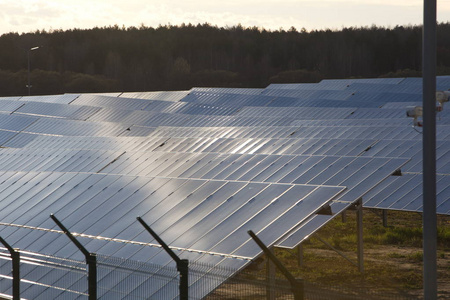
column 169, row 57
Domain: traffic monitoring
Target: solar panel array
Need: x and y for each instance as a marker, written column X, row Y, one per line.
column 203, row 167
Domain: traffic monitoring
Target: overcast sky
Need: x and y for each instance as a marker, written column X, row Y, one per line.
column 30, row 15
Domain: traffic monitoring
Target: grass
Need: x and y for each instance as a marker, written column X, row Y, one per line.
column 393, row 255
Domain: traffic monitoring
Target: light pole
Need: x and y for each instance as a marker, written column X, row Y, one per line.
column 28, row 56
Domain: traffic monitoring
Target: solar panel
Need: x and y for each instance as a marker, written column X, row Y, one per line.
column 61, row 99
column 110, row 102
column 55, row 160
column 56, row 110
column 75, row 128
column 228, row 90
column 297, row 112
column 392, row 88
column 6, row 136
column 202, row 167
column 294, row 86
column 373, row 113
column 221, row 99
column 198, row 221
column 162, row 96
column 412, row 150
column 380, row 98
column 402, row 105
column 9, row 106
column 405, row 193
column 19, row 140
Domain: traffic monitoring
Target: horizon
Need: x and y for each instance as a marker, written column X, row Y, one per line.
column 28, row 16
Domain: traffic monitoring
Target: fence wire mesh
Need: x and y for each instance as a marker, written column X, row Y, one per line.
column 49, row 277
column 54, row 277
column 123, row 278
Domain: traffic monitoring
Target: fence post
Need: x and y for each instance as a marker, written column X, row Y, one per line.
column 182, row 264
column 183, row 268
column 270, row 274
column 91, row 260
column 297, row 285
column 15, row 257
column 92, row 275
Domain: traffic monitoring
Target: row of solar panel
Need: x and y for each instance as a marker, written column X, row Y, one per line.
column 139, row 117
column 300, row 169
column 296, row 140
column 405, row 193
column 338, row 84
column 379, row 147
column 226, row 103
column 191, row 214
column 84, row 128
column 404, row 84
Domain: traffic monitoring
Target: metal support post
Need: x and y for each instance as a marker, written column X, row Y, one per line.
column 297, row 286
column 429, row 151
column 300, row 255
column 92, row 275
column 385, row 217
column 344, row 216
column 15, row 257
column 270, row 275
column 91, row 260
column 182, row 264
column 359, row 229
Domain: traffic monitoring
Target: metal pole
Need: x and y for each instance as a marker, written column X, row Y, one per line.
column 15, row 257
column 92, row 275
column 300, row 255
column 429, row 151
column 296, row 285
column 344, row 216
column 359, row 229
column 270, row 277
column 91, row 260
column 183, row 268
column 29, row 67
column 385, row 217
column 182, row 264
column 29, row 84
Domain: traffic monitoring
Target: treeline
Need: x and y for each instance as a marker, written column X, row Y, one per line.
column 180, row 57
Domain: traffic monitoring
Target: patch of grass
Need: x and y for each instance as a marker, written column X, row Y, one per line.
column 411, row 280
column 395, row 255
column 416, row 257
column 403, row 236
column 443, row 236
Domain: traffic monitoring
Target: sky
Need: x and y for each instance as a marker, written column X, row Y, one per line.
column 30, row 15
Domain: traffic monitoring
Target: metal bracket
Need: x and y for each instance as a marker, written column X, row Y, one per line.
column 325, row 210
column 91, row 259
column 297, row 285
column 182, row 264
